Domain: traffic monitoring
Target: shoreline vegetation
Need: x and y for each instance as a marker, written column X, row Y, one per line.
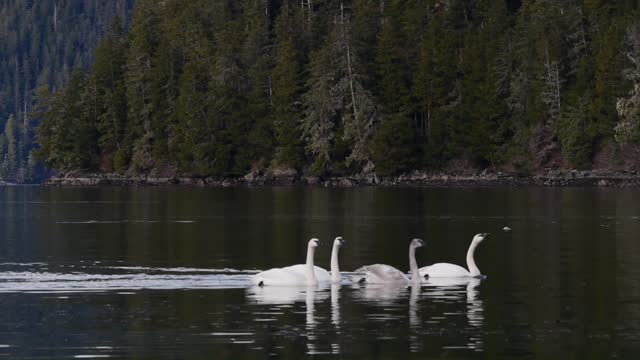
column 226, row 92
column 290, row 177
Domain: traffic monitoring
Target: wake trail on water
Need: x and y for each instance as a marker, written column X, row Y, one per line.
column 124, row 222
column 23, row 278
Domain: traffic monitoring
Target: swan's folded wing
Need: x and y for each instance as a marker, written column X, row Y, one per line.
column 439, row 270
column 290, row 275
column 322, row 275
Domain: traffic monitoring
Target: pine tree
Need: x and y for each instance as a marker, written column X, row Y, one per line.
column 360, row 113
column 258, row 60
column 108, row 71
column 10, row 161
column 143, row 44
column 286, row 89
column 321, row 105
column 627, row 129
column 573, row 134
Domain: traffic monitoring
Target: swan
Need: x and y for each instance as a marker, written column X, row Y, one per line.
column 440, row 270
column 301, row 274
column 380, row 273
column 336, row 278
column 323, row 275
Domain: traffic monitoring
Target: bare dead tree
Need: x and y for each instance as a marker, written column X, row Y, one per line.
column 551, row 94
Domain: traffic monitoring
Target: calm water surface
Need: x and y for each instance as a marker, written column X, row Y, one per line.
column 162, row 273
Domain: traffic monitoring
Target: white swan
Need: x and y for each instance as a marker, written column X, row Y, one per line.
column 336, row 278
column 440, row 270
column 323, row 275
column 380, row 273
column 302, row 274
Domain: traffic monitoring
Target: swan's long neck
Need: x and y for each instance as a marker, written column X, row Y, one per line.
column 413, row 266
column 335, row 268
column 471, row 262
column 310, row 272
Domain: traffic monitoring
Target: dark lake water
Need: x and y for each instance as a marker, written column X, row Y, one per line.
column 162, row 273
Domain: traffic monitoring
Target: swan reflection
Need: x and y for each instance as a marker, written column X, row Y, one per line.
column 457, row 290
column 475, row 315
column 335, row 306
column 393, row 303
column 380, row 293
column 287, row 295
column 335, row 317
column 281, row 295
column 415, row 325
column 311, row 326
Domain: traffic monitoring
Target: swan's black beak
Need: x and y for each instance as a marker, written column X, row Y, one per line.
column 342, row 241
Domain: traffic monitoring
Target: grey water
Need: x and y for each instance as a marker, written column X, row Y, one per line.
column 163, row 273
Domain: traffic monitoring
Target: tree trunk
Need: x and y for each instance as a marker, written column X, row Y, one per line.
column 349, row 68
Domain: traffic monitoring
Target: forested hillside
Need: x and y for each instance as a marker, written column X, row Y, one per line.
column 41, row 43
column 332, row 87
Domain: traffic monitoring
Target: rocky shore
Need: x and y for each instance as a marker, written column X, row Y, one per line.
column 417, row 178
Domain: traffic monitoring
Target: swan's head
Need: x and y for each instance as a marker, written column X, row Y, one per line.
column 338, row 241
column 479, row 237
column 416, row 243
column 313, row 243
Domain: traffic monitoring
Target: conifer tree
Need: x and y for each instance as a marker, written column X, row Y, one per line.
column 628, row 108
column 143, row 43
column 321, row 105
column 286, row 89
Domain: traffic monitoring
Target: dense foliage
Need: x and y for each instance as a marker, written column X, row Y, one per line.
column 220, row 87
column 41, row 42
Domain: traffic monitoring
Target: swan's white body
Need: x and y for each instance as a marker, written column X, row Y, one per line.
column 380, row 273
column 291, row 275
column 302, row 274
column 440, row 270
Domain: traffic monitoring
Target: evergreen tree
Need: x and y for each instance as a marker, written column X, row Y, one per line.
column 258, row 60
column 627, row 130
column 361, row 113
column 9, row 163
column 143, row 43
column 108, row 72
column 321, row 103
column 286, row 89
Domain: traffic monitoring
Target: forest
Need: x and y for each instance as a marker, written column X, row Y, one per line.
column 337, row 87
column 41, row 43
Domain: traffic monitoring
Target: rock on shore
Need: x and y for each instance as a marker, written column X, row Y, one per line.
column 415, row 178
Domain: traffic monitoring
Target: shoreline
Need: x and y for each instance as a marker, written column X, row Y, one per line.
column 557, row 178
